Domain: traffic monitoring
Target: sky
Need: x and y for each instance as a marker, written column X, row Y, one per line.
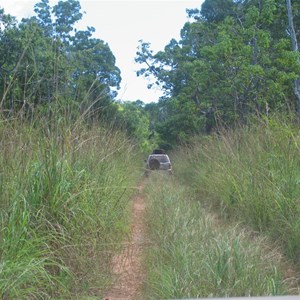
column 122, row 23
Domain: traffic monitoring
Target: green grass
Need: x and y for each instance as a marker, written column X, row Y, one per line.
column 194, row 254
column 251, row 174
column 64, row 191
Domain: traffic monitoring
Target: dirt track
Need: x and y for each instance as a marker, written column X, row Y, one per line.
column 127, row 266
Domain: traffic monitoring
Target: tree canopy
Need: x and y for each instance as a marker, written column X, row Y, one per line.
column 44, row 59
column 234, row 59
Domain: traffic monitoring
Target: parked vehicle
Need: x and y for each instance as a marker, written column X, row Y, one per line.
column 158, row 161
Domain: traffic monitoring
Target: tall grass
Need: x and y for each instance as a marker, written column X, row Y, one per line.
column 194, row 255
column 64, row 189
column 253, row 175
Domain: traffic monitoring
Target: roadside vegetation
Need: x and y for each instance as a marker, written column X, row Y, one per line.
column 251, row 175
column 194, row 254
column 64, row 193
column 226, row 224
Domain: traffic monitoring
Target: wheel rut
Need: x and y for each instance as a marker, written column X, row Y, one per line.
column 127, row 265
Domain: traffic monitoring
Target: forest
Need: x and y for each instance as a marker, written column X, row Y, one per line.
column 72, row 154
column 235, row 59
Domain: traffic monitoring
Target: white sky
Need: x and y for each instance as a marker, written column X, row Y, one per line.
column 122, row 23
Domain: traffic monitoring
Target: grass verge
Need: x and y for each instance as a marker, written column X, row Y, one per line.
column 252, row 175
column 193, row 254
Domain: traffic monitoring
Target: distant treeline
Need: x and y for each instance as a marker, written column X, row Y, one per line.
column 235, row 58
column 47, row 64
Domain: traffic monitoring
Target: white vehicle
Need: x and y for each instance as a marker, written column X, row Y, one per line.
column 157, row 162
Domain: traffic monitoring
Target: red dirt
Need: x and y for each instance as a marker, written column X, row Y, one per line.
column 127, row 266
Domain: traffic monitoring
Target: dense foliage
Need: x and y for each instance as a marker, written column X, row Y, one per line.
column 66, row 171
column 234, row 59
column 45, row 59
column 65, row 180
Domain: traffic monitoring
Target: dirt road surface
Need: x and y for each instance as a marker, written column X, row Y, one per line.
column 127, row 265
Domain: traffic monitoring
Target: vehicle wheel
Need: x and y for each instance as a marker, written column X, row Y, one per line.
column 154, row 164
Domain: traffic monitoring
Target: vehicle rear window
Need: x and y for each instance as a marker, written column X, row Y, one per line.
column 164, row 159
column 161, row 158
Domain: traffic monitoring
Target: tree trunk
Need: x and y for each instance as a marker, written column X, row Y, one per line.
column 296, row 49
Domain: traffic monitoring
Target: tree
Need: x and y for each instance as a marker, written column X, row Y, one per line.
column 218, row 10
column 135, row 121
column 67, row 14
column 295, row 48
column 231, row 62
column 46, row 59
column 44, row 17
